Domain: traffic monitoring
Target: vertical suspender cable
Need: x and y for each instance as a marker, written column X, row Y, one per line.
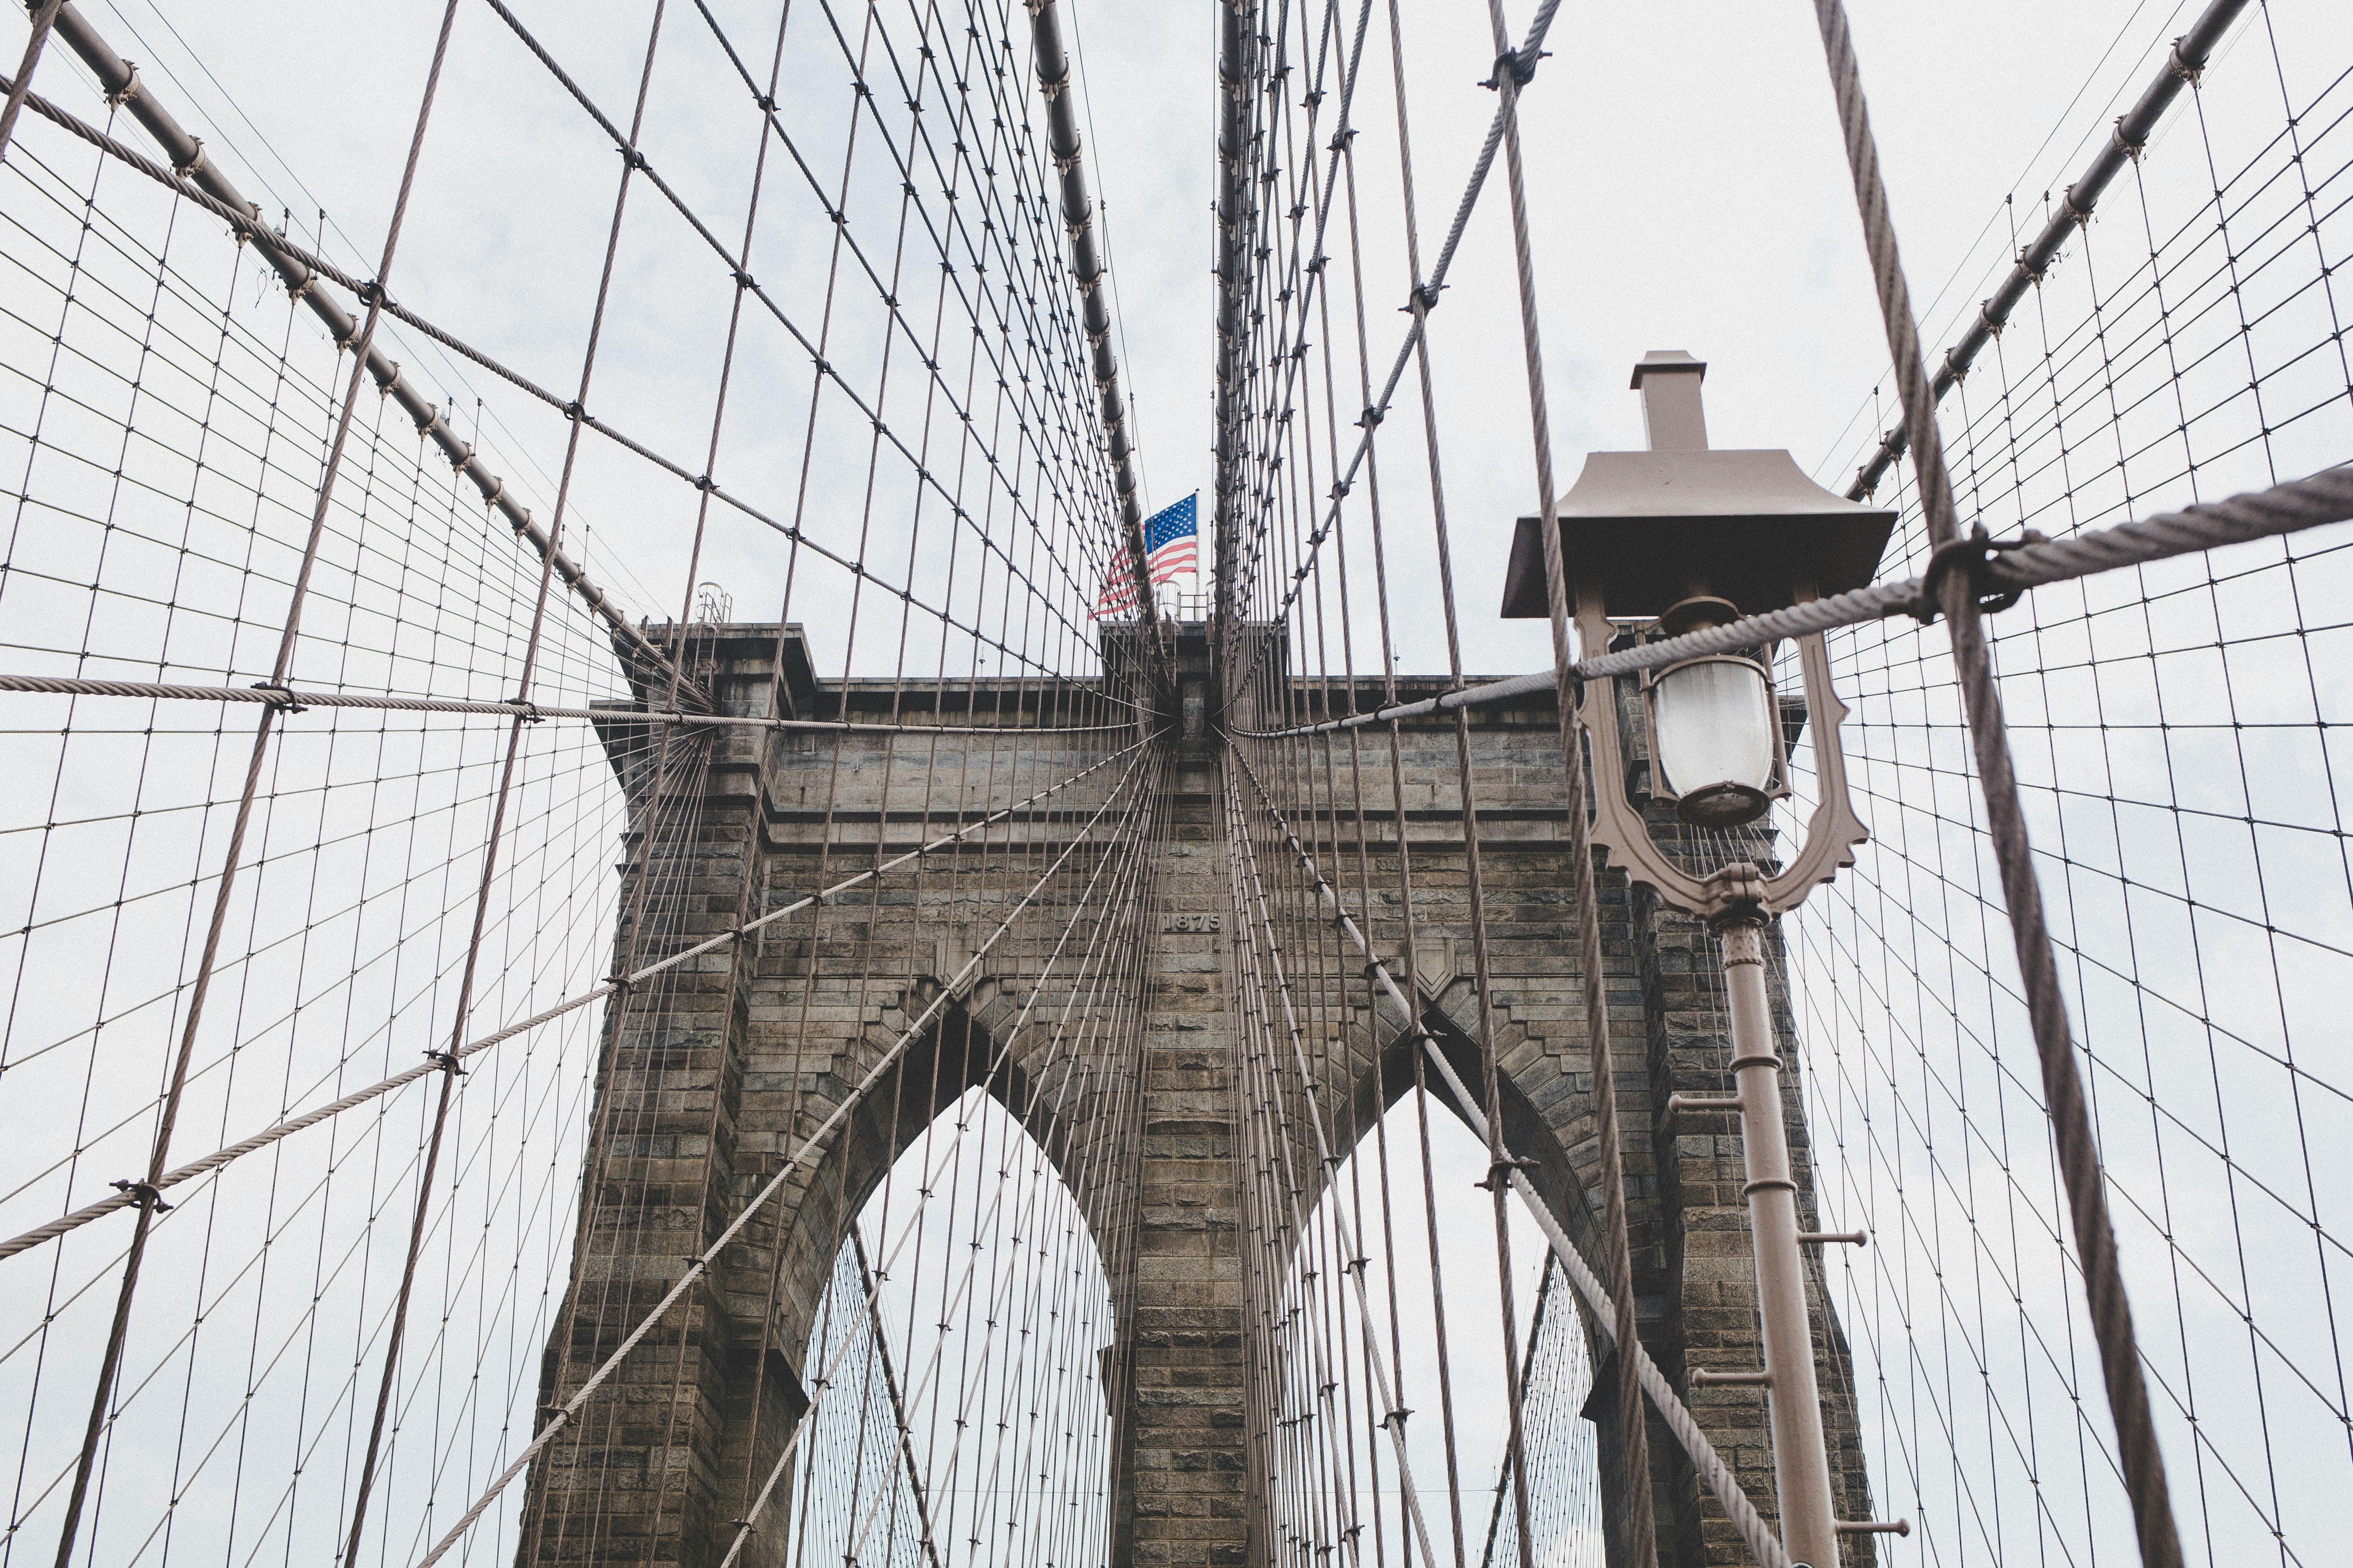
column 1512, row 69
column 360, row 339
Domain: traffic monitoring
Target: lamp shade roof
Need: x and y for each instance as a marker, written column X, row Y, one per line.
column 1649, row 529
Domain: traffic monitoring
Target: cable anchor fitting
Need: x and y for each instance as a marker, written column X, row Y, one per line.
column 143, row 1194
column 446, row 1061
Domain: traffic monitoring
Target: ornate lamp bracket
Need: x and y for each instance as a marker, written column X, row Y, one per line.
column 1740, row 892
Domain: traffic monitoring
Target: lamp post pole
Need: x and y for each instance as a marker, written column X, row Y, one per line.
column 1801, row 1464
column 1666, row 540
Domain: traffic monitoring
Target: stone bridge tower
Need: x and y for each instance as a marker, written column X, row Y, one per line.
column 746, row 1052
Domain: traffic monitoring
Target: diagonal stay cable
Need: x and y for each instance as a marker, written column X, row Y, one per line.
column 1528, row 54
column 919, row 1388
column 978, row 251
column 311, row 1118
column 2074, row 1139
column 702, row 1262
column 292, row 701
column 1375, row 1362
column 195, row 175
column 2189, row 56
column 750, row 285
column 1711, row 1465
column 1996, row 569
column 304, row 270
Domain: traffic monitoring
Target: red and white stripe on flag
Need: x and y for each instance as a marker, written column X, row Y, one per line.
column 1177, row 554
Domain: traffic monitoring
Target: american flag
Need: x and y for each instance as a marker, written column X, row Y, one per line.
column 1170, row 538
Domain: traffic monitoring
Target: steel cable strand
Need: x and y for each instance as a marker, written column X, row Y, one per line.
column 1530, row 52
column 1641, row 1515
column 564, row 1415
column 121, row 80
column 302, row 269
column 2143, row 1462
column 637, row 163
column 1131, row 860
column 903, row 165
column 1315, row 1115
column 1711, row 1467
column 311, row 1118
column 293, row 700
column 144, row 1192
column 2190, row 55
column 2312, row 501
column 1304, row 1236
column 44, row 18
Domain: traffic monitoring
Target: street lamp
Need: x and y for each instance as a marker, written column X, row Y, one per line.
column 1675, row 539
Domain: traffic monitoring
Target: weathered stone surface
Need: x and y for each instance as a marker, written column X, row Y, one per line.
column 728, row 1065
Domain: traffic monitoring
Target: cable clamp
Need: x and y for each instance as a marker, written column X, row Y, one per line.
column 1520, row 63
column 1958, row 371
column 386, row 388
column 195, row 163
column 2181, row 67
column 530, row 713
column 2082, row 216
column 1974, row 554
column 1396, row 1418
column 498, row 492
column 446, row 1061
column 143, row 1194
column 1985, row 319
column 281, row 696
column 297, row 291
column 461, row 457
column 127, row 92
column 1499, row 1173
column 2132, row 150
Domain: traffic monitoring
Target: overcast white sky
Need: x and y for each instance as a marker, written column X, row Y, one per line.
column 1689, row 186
column 1689, row 192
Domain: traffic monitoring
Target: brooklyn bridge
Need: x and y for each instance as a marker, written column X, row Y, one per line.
column 657, row 913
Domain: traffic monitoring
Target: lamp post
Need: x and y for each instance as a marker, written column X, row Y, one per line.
column 1674, row 540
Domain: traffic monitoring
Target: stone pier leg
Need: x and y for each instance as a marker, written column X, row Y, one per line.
column 1182, row 1484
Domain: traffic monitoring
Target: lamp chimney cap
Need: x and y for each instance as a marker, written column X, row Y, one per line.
column 1666, row 359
